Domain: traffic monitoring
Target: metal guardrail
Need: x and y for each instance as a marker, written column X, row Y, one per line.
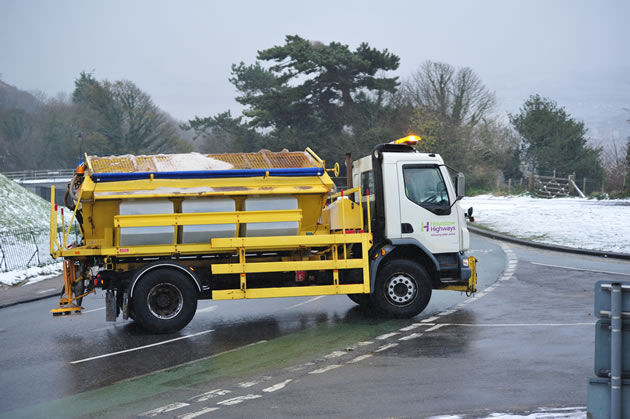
column 20, row 249
column 39, row 174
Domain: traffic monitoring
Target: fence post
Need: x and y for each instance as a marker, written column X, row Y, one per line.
column 510, row 185
column 36, row 248
column 584, row 186
column 3, row 260
column 530, row 186
column 571, row 181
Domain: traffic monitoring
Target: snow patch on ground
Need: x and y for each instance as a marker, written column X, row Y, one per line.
column 540, row 413
column 573, row 222
column 31, row 275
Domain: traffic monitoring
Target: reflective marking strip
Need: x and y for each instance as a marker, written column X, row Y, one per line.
column 359, row 358
column 436, row 327
column 239, row 399
column 93, row 310
column 277, row 387
column 164, row 409
column 430, row 319
column 386, row 347
column 304, row 302
column 325, row 369
column 199, row 413
column 209, row 395
column 411, row 336
column 142, row 347
column 580, row 269
column 387, row 335
column 335, row 354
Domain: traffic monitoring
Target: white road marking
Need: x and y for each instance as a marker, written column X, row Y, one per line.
column 239, row 399
column 325, row 369
column 304, row 302
column 359, row 358
column 164, row 409
column 300, row 366
column 430, row 319
column 93, row 310
column 277, row 387
column 198, row 413
column 335, row 354
column 571, row 268
column 45, row 291
column 365, row 343
column 209, row 395
column 141, row 347
column 206, row 309
column 447, row 312
column 386, row 347
column 519, row 324
column 436, row 327
column 413, row 326
column 386, row 336
column 248, row 384
column 411, row 336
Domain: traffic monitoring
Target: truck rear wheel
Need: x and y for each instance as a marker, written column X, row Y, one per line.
column 403, row 289
column 164, row 301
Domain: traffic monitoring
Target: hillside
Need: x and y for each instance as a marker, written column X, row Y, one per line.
column 20, row 208
column 13, row 98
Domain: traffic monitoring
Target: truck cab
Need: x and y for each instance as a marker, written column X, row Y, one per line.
column 416, row 219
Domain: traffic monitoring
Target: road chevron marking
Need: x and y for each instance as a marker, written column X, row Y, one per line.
column 239, row 399
column 386, row 347
column 386, row 336
column 436, row 327
column 164, row 409
column 325, row 369
column 277, row 387
column 411, row 336
column 198, row 413
column 359, row 358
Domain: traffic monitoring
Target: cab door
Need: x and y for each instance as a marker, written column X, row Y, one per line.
column 426, row 211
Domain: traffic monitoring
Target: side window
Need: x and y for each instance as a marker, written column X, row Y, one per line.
column 367, row 182
column 425, row 187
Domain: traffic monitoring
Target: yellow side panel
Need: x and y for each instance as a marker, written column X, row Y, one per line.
column 287, row 292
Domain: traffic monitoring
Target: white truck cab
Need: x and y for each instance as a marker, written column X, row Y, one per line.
column 416, row 217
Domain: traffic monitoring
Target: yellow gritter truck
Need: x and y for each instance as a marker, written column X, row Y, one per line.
column 160, row 232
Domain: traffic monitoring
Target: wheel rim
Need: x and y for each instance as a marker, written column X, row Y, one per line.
column 165, row 301
column 400, row 289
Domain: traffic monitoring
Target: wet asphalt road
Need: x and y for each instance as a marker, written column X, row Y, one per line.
column 246, row 347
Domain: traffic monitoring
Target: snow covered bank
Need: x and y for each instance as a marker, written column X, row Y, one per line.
column 31, row 275
column 573, row 222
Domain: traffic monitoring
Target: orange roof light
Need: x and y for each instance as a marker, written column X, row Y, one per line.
column 409, row 140
column 80, row 169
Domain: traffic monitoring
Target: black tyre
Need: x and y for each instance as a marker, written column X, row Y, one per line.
column 164, row 301
column 360, row 299
column 403, row 289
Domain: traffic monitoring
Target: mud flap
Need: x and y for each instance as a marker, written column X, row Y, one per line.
column 125, row 306
column 111, row 311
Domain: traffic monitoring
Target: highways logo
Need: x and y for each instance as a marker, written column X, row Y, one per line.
column 439, row 228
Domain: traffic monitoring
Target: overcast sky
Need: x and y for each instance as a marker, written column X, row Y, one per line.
column 181, row 52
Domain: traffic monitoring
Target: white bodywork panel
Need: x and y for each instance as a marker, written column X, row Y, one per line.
column 438, row 233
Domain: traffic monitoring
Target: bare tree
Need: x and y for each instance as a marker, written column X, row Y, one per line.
column 456, row 95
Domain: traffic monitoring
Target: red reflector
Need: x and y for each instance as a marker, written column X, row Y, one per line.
column 300, row 276
column 56, row 207
column 124, row 250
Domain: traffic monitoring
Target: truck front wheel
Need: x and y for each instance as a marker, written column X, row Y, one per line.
column 164, row 301
column 403, row 289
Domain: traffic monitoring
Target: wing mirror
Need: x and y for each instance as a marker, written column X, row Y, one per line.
column 460, row 185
